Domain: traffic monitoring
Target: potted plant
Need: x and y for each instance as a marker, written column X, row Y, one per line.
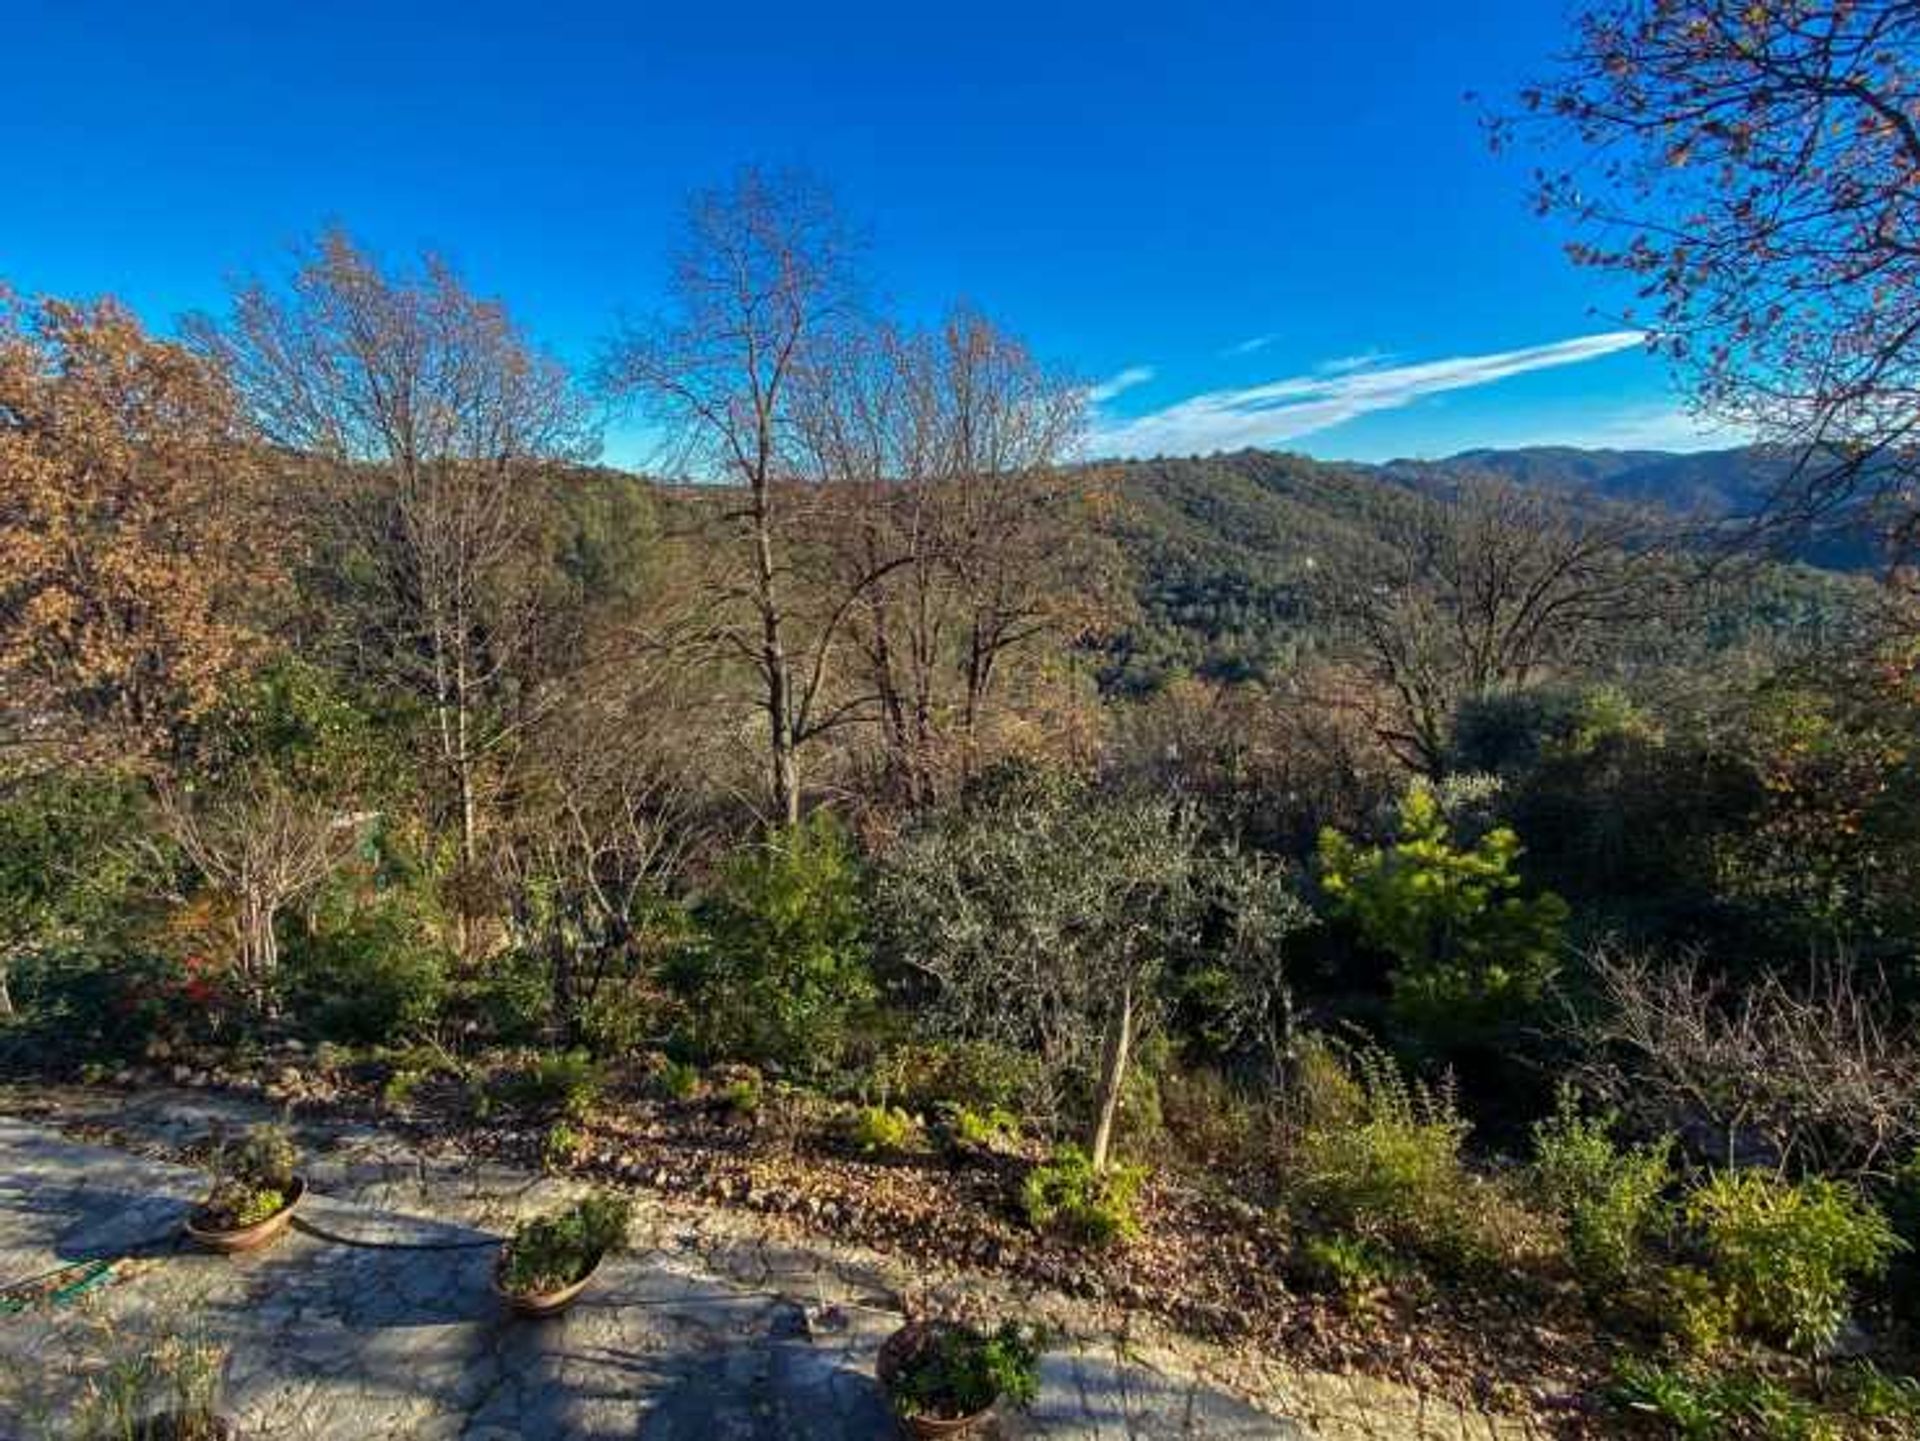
column 942, row 1377
column 548, row 1260
column 253, row 1195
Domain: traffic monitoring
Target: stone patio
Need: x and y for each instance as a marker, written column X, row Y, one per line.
column 376, row 1319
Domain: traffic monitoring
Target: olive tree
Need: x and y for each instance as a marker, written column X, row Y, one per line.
column 1045, row 916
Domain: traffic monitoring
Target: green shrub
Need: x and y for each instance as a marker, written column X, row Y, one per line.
column 1347, row 1267
column 511, row 1001
column 743, row 1096
column 618, row 1019
column 878, row 1129
column 89, row 1003
column 678, row 1080
column 71, row 889
column 1609, row 1200
column 1384, row 1164
column 368, row 977
column 780, row 973
column 567, row 1082
column 562, row 1146
column 1688, row 1305
column 553, row 1251
column 1472, row 953
column 924, row 1075
column 1785, row 1253
column 1067, row 1195
column 967, row 1129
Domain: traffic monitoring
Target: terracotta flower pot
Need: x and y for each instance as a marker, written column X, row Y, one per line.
column 249, row 1238
column 895, row 1352
column 542, row 1303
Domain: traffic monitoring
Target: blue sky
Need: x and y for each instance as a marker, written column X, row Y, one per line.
column 1269, row 223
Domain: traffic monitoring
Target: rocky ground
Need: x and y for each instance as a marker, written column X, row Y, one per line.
column 1204, row 1287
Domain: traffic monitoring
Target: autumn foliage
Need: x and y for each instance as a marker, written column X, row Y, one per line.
column 128, row 571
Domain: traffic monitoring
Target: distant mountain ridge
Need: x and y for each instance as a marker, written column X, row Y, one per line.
column 1710, row 485
column 1713, row 483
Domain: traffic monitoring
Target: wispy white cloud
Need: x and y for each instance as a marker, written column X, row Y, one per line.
column 1114, row 384
column 1299, row 405
column 1250, row 345
column 1343, row 364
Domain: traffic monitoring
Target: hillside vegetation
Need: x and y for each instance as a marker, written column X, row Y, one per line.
column 1445, row 926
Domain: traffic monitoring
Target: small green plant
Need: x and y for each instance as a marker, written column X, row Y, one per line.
column 549, row 1253
column 1686, row 1304
column 1068, row 1195
column 562, row 1146
column 567, row 1084
column 1874, row 1396
column 1672, row 1397
column 966, row 1129
column 1609, row 1200
column 251, row 1181
column 949, row 1371
column 878, row 1130
column 1785, row 1253
column 1347, row 1267
column 679, row 1080
column 400, row 1086
column 1701, row 1404
column 743, row 1097
column 1379, row 1158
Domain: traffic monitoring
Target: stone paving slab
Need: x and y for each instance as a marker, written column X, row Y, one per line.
column 404, row 1337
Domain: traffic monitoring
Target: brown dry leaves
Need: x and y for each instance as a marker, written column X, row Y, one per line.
column 127, row 571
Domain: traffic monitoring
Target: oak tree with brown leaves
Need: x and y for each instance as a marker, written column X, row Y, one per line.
column 132, row 563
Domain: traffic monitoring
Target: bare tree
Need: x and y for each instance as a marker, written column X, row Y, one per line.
column 1495, row 589
column 763, row 296
column 262, row 844
column 1753, row 168
column 607, row 818
column 960, row 535
column 434, row 416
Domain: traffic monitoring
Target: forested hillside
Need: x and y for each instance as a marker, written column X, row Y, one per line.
column 1456, row 923
column 1230, row 551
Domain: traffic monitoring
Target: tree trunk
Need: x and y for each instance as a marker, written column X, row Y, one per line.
column 1113, row 1075
column 782, row 741
column 259, row 948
